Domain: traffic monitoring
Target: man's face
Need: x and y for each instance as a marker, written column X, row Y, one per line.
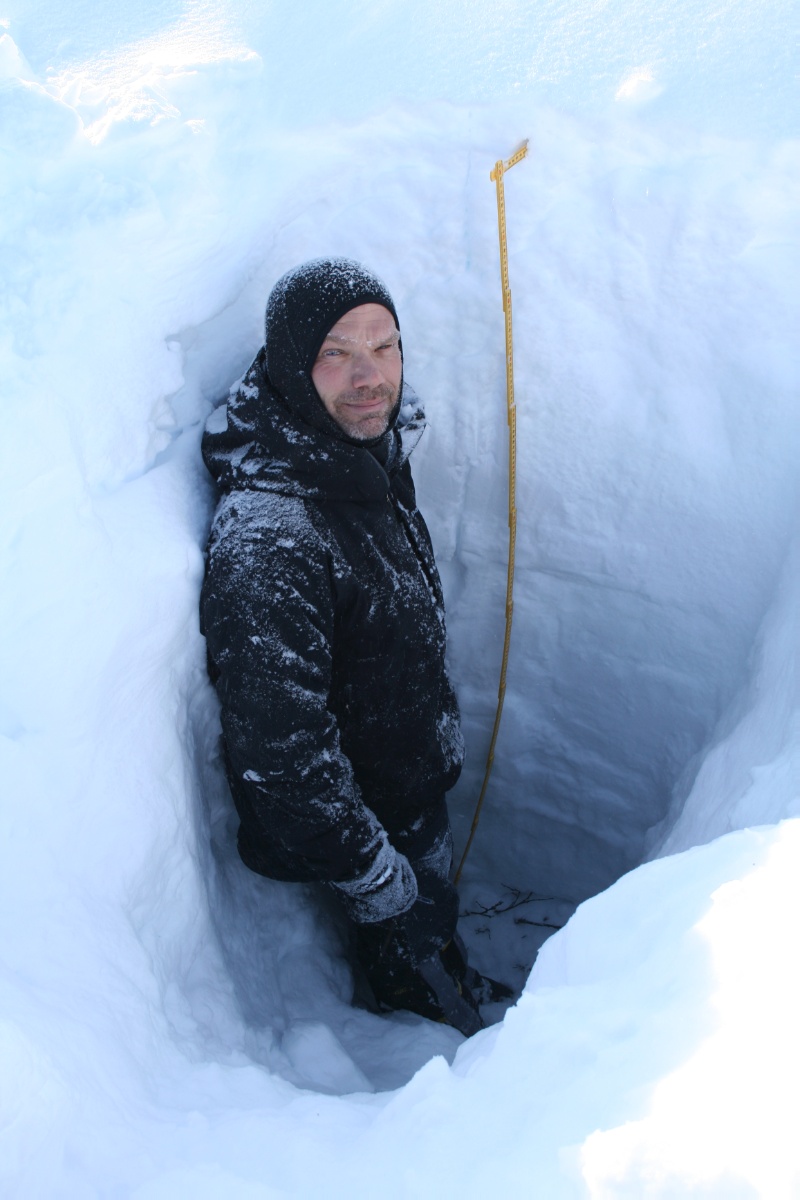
column 358, row 370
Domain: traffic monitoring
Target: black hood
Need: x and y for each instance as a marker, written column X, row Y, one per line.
column 275, row 434
column 303, row 306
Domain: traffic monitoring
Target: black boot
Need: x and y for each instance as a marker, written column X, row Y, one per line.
column 483, row 989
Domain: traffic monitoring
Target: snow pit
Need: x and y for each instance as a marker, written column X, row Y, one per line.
column 173, row 1025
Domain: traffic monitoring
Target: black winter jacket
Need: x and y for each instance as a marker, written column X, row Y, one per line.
column 324, row 621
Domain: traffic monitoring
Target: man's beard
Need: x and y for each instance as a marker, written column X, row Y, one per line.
column 367, row 426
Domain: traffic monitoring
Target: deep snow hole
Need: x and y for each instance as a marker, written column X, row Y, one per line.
column 638, row 596
column 554, row 832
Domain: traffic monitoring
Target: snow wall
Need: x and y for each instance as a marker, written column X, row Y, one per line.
column 172, row 1025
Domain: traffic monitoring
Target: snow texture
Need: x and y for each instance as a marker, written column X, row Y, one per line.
column 173, row 1025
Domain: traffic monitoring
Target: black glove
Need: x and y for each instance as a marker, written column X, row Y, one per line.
column 387, row 887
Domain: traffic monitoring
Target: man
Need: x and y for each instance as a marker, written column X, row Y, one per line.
column 323, row 614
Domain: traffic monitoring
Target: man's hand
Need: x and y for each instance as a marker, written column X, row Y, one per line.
column 385, row 890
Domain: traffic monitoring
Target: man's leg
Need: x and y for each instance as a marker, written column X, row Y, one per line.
column 436, row 988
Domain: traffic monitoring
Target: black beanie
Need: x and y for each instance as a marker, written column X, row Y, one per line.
column 303, row 306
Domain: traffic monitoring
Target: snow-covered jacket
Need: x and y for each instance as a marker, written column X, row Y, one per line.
column 323, row 614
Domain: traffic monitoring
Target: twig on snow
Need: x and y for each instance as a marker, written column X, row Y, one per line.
column 517, row 899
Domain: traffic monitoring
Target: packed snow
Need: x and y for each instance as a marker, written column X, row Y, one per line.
column 172, row 1024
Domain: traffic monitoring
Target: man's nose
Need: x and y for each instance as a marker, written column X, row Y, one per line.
column 365, row 370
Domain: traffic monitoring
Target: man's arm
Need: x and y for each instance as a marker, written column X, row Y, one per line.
column 268, row 616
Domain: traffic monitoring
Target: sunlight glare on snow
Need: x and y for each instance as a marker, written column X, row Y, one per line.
column 638, row 87
column 130, row 84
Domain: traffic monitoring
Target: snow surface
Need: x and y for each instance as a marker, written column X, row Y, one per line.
column 173, row 1025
